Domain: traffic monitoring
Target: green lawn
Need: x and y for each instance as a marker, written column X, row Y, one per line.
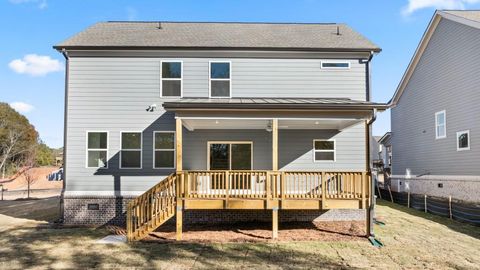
column 413, row 240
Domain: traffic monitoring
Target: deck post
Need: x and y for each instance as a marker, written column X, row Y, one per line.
column 275, row 222
column 178, row 140
column 179, row 166
column 275, row 144
column 324, row 191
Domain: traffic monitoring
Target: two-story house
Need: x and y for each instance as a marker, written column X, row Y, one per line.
column 217, row 122
column 435, row 114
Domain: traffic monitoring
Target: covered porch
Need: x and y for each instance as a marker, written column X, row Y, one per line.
column 238, row 155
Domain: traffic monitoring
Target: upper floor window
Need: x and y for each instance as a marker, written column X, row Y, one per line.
column 131, row 152
column 323, row 150
column 463, row 140
column 97, row 149
column 440, row 125
column 171, row 85
column 220, row 79
column 335, row 65
column 164, row 150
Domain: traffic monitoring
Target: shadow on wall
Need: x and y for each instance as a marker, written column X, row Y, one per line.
column 294, row 144
column 166, row 122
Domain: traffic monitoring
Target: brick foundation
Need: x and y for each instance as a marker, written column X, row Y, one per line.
column 112, row 210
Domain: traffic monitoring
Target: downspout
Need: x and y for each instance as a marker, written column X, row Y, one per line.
column 368, row 130
column 62, row 203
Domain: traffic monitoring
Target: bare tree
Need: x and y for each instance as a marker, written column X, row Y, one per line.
column 29, row 164
column 7, row 147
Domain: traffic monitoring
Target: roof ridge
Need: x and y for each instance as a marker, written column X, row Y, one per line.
column 228, row 22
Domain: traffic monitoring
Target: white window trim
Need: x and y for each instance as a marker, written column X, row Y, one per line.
column 468, row 134
column 335, row 61
column 96, row 149
column 444, row 125
column 334, row 150
column 171, row 79
column 138, row 149
column 230, row 153
column 174, row 150
column 210, row 78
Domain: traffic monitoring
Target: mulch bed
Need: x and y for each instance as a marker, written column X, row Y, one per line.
column 261, row 232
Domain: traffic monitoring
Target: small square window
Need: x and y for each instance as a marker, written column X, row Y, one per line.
column 324, row 150
column 463, row 140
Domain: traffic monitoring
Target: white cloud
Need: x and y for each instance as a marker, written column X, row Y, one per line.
column 22, row 107
column 35, row 65
column 42, row 4
column 414, row 5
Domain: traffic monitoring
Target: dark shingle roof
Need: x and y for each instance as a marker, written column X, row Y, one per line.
column 272, row 103
column 219, row 35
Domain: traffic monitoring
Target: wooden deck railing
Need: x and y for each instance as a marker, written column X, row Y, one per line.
column 272, row 184
column 158, row 204
column 151, row 209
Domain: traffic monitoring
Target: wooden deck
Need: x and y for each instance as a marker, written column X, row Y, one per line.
column 272, row 190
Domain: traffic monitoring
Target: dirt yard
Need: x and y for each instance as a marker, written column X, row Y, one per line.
column 42, row 188
column 413, row 240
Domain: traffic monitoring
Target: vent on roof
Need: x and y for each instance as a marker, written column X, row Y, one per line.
column 338, row 30
column 159, row 25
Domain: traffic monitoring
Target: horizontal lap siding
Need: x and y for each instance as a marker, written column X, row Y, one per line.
column 112, row 94
column 296, row 149
column 446, row 78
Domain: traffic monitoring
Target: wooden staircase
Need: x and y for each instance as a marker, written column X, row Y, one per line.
column 151, row 209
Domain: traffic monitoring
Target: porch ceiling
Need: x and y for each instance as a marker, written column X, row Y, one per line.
column 192, row 123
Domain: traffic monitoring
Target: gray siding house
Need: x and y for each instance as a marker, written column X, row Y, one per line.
column 148, row 100
column 435, row 115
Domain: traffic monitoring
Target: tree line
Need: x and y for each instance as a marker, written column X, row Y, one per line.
column 20, row 144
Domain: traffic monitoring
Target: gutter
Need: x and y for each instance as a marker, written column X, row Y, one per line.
column 62, row 194
column 371, row 206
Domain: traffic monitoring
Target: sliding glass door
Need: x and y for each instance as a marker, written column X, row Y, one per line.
column 231, row 156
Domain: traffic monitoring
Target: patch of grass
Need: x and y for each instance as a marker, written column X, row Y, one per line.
column 413, row 240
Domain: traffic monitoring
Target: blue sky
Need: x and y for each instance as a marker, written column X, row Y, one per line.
column 32, row 73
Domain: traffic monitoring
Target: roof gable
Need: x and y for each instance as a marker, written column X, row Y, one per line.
column 178, row 35
column 469, row 18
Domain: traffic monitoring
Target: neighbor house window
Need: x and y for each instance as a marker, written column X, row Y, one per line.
column 97, row 149
column 463, row 140
column 171, row 79
column 335, row 65
column 131, row 152
column 324, row 150
column 164, row 150
column 220, row 79
column 440, row 125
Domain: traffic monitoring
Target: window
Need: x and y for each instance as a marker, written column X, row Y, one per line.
column 131, row 151
column 220, row 79
column 164, row 150
column 440, row 125
column 171, row 85
column 324, row 150
column 97, row 149
column 463, row 140
column 335, row 65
